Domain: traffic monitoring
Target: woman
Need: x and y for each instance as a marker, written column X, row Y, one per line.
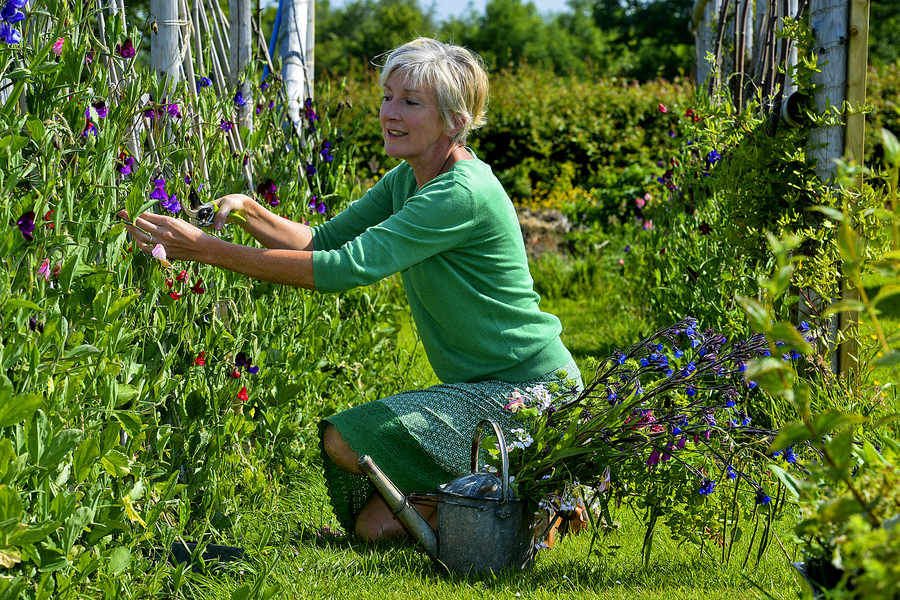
column 441, row 219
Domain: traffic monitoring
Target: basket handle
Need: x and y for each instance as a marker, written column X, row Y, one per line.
column 504, row 455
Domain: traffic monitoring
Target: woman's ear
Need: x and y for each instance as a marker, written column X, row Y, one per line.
column 459, row 122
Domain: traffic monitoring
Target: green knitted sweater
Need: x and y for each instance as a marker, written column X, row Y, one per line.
column 459, row 249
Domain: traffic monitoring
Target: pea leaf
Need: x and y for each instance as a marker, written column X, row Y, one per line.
column 119, row 559
column 116, row 464
column 790, row 434
column 18, row 409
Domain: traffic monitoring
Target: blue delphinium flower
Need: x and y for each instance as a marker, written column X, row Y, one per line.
column 729, row 404
column 239, row 99
column 789, row 455
column 678, row 353
column 203, row 82
column 762, row 497
column 713, row 157
column 707, row 488
column 732, row 474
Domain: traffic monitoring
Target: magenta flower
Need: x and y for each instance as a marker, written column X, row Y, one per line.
column 173, row 111
column 57, row 46
column 126, row 49
column 126, row 163
column 89, row 127
column 159, row 190
column 26, row 225
column 44, row 269
column 653, row 459
column 226, row 126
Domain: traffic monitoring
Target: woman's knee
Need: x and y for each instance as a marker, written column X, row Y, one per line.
column 339, row 451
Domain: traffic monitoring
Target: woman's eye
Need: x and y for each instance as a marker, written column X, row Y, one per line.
column 412, row 102
column 385, row 98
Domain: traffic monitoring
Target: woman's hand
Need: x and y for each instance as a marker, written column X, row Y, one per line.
column 232, row 204
column 180, row 239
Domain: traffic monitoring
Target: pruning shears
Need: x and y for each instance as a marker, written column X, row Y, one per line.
column 202, row 214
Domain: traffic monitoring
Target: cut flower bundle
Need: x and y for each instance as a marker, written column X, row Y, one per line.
column 665, row 421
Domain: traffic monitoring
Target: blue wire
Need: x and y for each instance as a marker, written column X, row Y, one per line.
column 274, row 38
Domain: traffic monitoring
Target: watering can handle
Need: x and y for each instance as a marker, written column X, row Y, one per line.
column 504, row 455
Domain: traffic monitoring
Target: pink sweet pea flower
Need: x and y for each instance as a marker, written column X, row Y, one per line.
column 515, row 401
column 57, row 46
column 44, row 269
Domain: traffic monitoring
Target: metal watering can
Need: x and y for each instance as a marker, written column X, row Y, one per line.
column 480, row 529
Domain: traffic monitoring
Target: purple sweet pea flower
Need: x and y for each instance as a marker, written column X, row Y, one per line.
column 172, row 204
column 26, row 225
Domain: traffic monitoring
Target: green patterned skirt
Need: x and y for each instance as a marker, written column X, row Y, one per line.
column 420, row 438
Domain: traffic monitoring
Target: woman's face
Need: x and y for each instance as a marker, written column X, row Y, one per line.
column 411, row 121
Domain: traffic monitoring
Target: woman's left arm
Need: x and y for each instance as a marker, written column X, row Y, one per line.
column 183, row 241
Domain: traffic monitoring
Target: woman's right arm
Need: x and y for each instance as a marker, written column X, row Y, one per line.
column 271, row 230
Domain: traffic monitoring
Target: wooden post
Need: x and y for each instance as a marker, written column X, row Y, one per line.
column 241, row 52
column 829, row 22
column 857, row 62
column 295, row 73
column 164, row 39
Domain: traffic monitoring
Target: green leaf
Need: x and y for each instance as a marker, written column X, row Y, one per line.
column 787, row 333
column 130, row 422
column 790, row 434
column 13, row 143
column 60, row 446
column 772, row 374
column 118, row 305
column 81, row 351
column 793, row 485
column 18, row 409
column 756, row 312
column 19, row 303
column 11, row 506
column 845, row 306
column 35, row 129
column 888, row 360
column 891, row 147
column 119, row 559
column 831, row 213
column 85, row 457
column 829, row 421
column 886, row 291
column 28, row 534
column 242, row 593
column 116, row 464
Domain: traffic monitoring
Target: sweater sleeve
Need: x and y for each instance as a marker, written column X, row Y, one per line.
column 374, row 207
column 434, row 220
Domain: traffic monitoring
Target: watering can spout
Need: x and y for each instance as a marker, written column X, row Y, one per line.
column 412, row 520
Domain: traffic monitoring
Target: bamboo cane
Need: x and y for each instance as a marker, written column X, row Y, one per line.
column 188, row 64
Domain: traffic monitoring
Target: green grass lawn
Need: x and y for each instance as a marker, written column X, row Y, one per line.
column 282, row 532
column 281, row 536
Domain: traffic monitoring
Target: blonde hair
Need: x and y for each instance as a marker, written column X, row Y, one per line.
column 455, row 74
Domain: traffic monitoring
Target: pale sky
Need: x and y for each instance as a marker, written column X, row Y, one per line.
column 454, row 8
column 448, row 8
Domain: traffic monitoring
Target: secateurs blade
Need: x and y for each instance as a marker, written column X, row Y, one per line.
column 200, row 214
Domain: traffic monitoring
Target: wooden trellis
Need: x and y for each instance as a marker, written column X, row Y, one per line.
column 193, row 38
column 750, row 55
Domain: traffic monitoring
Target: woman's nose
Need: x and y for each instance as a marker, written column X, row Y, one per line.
column 389, row 110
